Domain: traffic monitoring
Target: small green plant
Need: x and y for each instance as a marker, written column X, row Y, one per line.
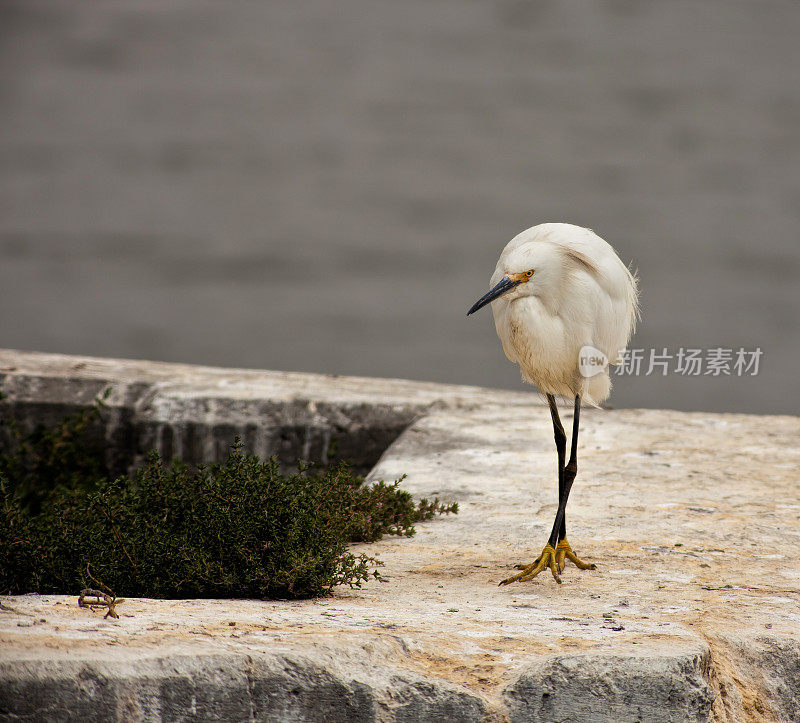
column 235, row 529
column 47, row 461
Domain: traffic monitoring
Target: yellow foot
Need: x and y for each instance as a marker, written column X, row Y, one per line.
column 563, row 550
column 550, row 558
column 546, row 559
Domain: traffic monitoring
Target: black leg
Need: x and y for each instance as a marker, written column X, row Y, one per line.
column 558, row 550
column 561, row 447
column 569, row 473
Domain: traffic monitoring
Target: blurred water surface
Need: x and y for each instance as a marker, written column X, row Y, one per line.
column 326, row 186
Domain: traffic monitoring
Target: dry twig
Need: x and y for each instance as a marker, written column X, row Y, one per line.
column 102, row 599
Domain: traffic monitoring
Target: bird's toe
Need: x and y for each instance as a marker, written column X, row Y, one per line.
column 564, row 552
column 546, row 560
column 552, row 559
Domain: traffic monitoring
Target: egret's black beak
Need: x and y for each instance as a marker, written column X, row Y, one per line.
column 505, row 284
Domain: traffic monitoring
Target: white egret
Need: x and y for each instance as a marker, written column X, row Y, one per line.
column 564, row 308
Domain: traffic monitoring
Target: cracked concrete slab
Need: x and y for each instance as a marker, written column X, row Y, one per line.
column 692, row 614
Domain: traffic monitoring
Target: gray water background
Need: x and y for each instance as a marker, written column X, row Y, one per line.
column 325, row 186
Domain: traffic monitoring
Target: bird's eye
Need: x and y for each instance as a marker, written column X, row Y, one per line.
column 528, row 274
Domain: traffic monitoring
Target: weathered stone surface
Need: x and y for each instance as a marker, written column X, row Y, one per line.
column 662, row 686
column 210, row 682
column 196, row 412
column 692, row 613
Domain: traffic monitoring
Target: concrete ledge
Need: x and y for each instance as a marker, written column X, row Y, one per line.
column 643, row 685
column 692, row 613
column 195, row 412
column 224, row 687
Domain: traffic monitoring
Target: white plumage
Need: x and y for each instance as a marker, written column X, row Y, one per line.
column 561, row 296
column 580, row 295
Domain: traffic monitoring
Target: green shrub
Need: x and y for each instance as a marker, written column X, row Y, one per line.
column 235, row 529
column 50, row 460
